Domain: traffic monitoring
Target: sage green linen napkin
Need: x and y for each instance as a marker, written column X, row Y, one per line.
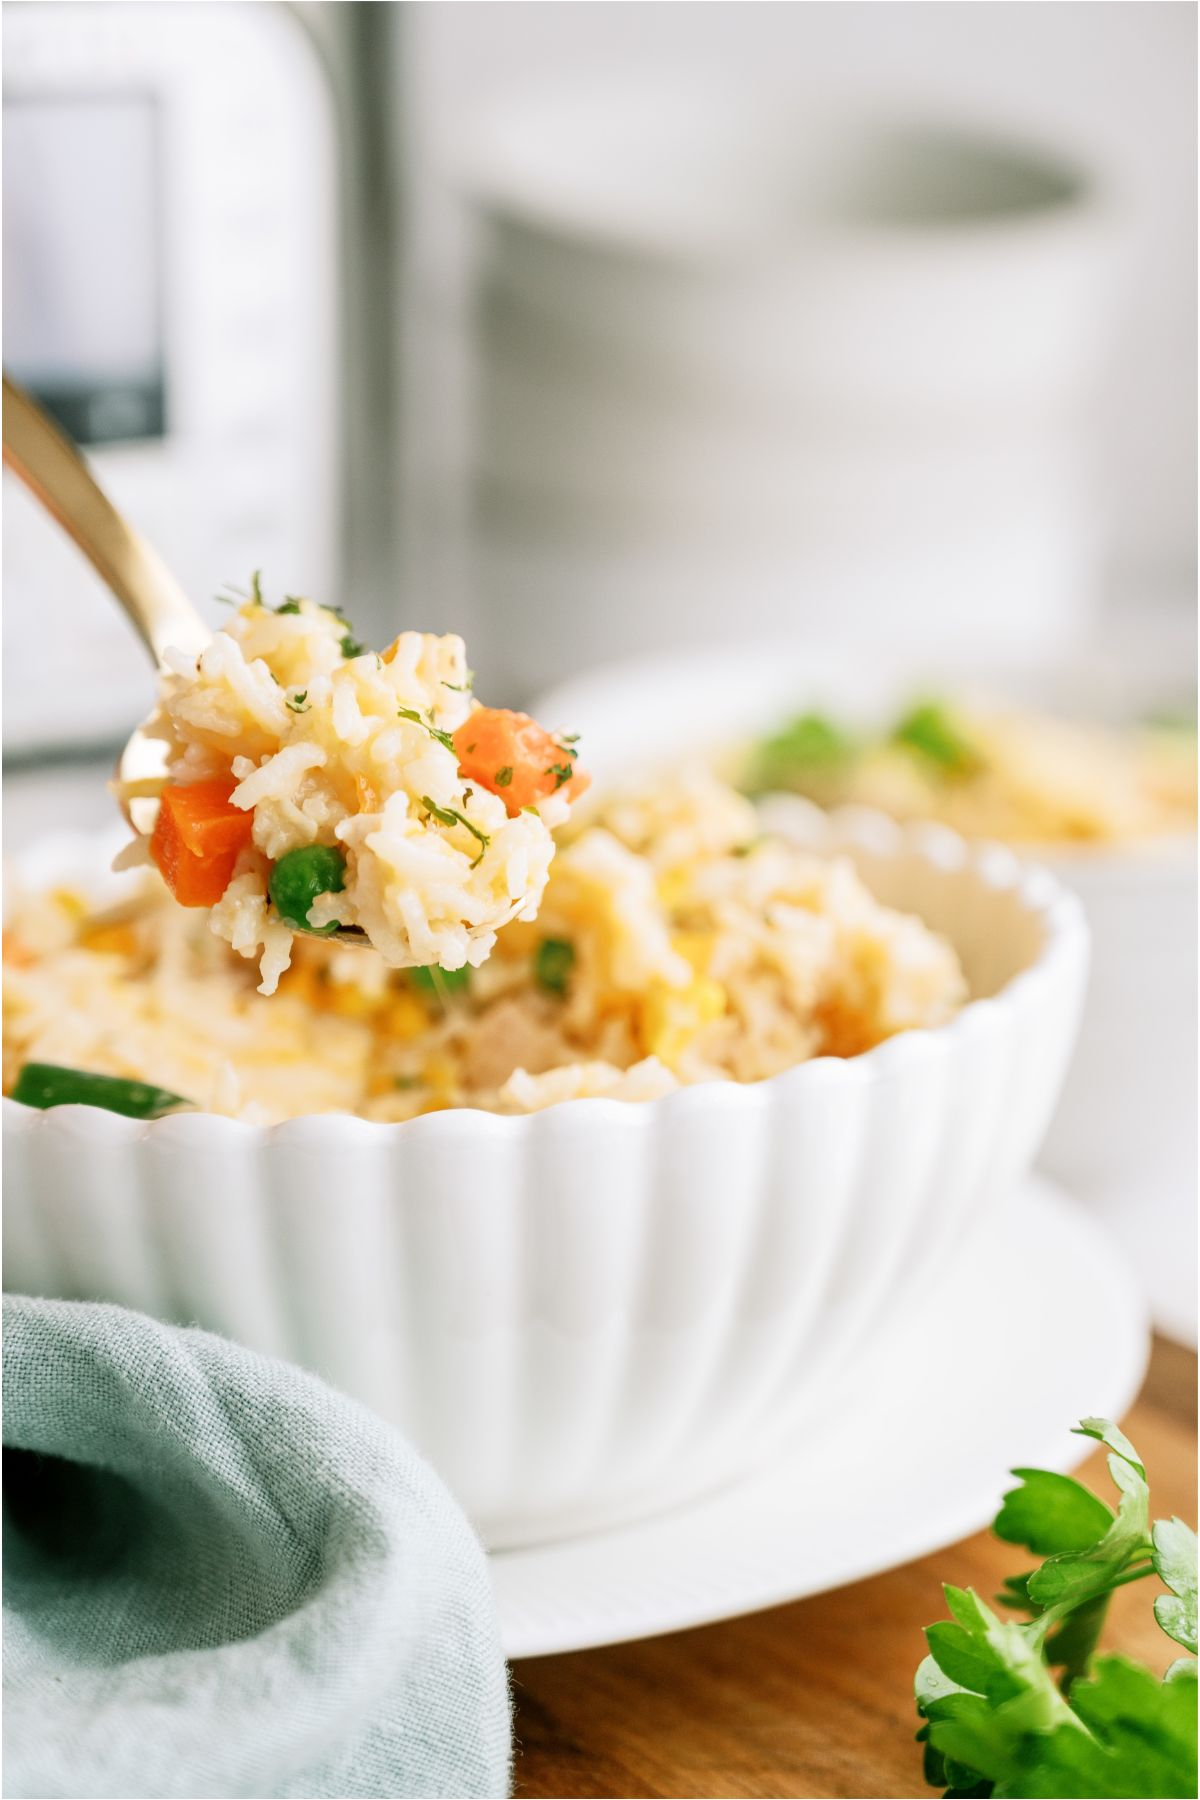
column 223, row 1578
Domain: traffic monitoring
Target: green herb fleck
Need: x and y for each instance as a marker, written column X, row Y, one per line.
column 553, row 963
column 562, row 773
column 298, row 703
column 435, row 731
column 256, row 595
column 462, row 687
column 931, row 731
column 446, row 815
column 405, row 1082
column 809, row 745
column 503, row 777
column 351, row 648
column 289, row 604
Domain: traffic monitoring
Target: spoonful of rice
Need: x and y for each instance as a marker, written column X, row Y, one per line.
column 292, row 780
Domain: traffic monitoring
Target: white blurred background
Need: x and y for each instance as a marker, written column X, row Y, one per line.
column 330, row 360
column 1110, row 86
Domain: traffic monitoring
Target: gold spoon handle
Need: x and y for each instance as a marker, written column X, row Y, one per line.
column 55, row 473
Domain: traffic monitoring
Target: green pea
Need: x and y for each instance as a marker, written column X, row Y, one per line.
column 553, row 963
column 299, row 878
column 48, row 1084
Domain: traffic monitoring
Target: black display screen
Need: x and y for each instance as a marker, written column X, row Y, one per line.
column 83, row 300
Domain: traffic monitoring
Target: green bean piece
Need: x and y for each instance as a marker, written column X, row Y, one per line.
column 48, row 1084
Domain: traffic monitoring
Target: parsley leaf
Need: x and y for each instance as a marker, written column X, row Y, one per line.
column 289, row 604
column 298, row 703
column 562, row 773
column 351, row 647
column 1175, row 1564
column 1051, row 1514
column 995, row 1720
column 503, row 777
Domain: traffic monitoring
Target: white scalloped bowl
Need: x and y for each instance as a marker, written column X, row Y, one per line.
column 597, row 1310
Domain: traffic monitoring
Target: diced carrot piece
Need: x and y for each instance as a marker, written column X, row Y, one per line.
column 510, row 754
column 197, row 839
column 17, row 953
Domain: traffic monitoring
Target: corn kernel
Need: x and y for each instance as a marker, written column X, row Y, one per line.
column 110, row 940
column 403, row 1018
column 672, row 1017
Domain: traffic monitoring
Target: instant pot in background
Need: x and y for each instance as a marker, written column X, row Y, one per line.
column 746, row 359
column 171, row 294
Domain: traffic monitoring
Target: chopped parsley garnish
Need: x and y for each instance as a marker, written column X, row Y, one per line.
column 440, row 982
column 256, row 588
column 298, row 703
column 553, row 963
column 562, row 773
column 233, row 595
column 931, row 731
column 404, row 1082
column 288, row 605
column 503, row 776
column 351, row 647
column 462, row 687
column 435, row 731
column 446, row 815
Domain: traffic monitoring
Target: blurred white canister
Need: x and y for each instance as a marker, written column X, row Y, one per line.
column 742, row 357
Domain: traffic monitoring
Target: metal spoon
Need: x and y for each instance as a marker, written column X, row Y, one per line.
column 160, row 612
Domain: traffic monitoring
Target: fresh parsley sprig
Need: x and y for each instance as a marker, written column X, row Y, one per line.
column 996, row 1719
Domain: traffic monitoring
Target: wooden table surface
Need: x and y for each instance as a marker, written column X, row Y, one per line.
column 814, row 1698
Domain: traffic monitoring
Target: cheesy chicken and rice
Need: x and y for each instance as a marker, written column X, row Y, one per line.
column 673, row 944
column 313, row 784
